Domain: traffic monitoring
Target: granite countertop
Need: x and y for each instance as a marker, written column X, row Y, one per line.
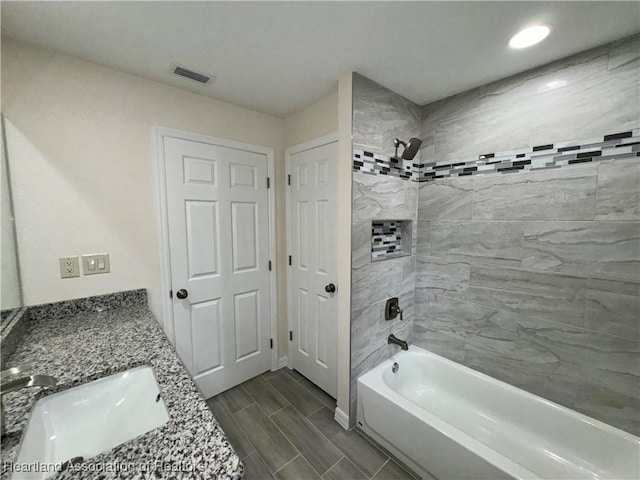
column 77, row 344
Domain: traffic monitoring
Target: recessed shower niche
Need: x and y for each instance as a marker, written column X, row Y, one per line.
column 390, row 239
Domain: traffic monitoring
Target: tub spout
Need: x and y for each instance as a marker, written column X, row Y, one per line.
column 392, row 339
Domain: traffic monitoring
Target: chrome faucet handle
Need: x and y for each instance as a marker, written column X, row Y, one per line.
column 10, row 372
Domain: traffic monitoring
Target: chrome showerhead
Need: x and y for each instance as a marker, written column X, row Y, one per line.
column 410, row 149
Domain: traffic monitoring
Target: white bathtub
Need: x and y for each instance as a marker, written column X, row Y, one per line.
column 451, row 422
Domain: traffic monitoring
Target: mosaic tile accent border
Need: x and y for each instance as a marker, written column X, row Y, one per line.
column 616, row 146
column 376, row 164
column 99, row 303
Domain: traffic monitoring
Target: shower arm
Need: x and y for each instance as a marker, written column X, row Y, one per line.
column 396, row 143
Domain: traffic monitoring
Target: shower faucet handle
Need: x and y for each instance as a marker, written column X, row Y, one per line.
column 392, row 309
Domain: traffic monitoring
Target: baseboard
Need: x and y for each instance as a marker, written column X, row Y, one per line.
column 282, row 362
column 342, row 418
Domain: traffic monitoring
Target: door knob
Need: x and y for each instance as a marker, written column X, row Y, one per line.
column 330, row 288
column 182, row 294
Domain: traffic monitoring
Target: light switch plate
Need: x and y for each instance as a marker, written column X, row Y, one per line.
column 95, row 263
column 69, row 267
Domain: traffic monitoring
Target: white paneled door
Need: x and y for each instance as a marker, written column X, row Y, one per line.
column 313, row 314
column 218, row 222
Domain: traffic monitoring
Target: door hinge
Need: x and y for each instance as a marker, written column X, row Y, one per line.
column 268, row 182
column 271, row 342
column 289, row 259
column 291, row 335
column 170, row 293
column 288, row 179
column 269, row 265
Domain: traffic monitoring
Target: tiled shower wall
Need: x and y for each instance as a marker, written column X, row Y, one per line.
column 379, row 116
column 533, row 277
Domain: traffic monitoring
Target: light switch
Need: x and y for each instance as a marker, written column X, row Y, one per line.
column 95, row 263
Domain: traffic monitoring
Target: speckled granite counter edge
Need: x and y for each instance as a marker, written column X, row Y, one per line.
column 192, row 433
column 98, row 303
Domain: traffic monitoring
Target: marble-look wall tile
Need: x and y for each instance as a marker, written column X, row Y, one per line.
column 609, row 396
column 469, row 320
column 545, row 358
column 618, row 196
column 440, row 342
column 440, row 275
column 599, row 371
column 383, row 197
column 585, row 110
column 578, row 346
column 567, row 194
column 427, row 148
column 540, row 285
column 504, row 368
column 598, row 249
column 369, row 329
column 379, row 116
column 613, row 307
column 576, row 69
column 367, row 126
column 402, row 330
column 378, row 281
column 360, row 243
column 460, row 105
column 500, row 128
column 446, row 199
column 414, row 236
column 578, row 97
column 421, row 303
column 423, row 242
column 625, row 55
column 491, row 242
column 487, row 328
column 552, row 297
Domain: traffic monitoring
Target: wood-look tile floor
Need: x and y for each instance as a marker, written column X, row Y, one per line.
column 282, row 427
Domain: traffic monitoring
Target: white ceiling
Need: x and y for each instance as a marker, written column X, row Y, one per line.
column 278, row 57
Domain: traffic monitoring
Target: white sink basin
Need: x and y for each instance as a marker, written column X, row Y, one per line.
column 91, row 418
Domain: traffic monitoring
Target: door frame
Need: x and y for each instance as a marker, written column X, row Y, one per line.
column 289, row 152
column 164, row 254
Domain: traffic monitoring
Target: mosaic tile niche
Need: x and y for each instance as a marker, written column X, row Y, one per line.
column 390, row 239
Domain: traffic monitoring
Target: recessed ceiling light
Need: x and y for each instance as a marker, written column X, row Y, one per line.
column 529, row 36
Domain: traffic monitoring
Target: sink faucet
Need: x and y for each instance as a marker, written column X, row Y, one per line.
column 392, row 339
column 10, row 382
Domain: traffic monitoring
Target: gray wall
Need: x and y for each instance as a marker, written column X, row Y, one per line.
column 379, row 116
column 534, row 277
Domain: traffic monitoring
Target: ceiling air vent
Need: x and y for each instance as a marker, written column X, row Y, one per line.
column 190, row 74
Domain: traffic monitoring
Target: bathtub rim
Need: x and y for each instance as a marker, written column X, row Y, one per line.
column 413, row 349
column 466, row 441
column 374, row 377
